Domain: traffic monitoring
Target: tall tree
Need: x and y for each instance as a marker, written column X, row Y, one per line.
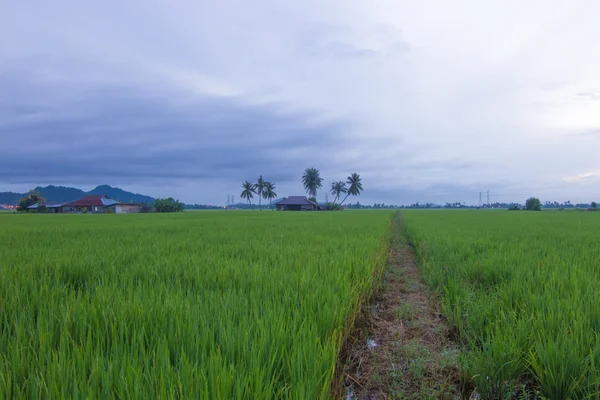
column 29, row 200
column 354, row 186
column 269, row 192
column 533, row 204
column 247, row 191
column 312, row 181
column 337, row 188
column 260, row 187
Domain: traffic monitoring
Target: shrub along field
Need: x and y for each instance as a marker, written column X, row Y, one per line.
column 190, row 305
column 523, row 292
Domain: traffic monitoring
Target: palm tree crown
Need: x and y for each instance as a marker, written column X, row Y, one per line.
column 269, row 191
column 247, row 191
column 354, row 186
column 337, row 188
column 312, row 181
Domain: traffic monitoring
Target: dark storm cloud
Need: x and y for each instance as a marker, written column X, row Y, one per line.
column 64, row 131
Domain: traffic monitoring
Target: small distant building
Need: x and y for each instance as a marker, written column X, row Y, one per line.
column 296, row 203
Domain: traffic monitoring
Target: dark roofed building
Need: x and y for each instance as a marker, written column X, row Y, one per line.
column 95, row 203
column 296, row 203
column 51, row 208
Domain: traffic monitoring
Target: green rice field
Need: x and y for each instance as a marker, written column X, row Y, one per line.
column 257, row 304
column 191, row 305
column 522, row 291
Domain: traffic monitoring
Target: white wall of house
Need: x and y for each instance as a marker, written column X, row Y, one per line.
column 127, row 208
column 79, row 209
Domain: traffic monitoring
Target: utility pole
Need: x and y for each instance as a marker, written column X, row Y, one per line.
column 479, row 199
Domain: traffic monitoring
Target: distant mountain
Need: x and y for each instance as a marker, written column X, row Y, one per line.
column 122, row 195
column 59, row 194
column 62, row 194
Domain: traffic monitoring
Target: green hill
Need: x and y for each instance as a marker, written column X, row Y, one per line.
column 63, row 194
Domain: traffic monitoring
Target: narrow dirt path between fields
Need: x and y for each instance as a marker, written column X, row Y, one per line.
column 401, row 346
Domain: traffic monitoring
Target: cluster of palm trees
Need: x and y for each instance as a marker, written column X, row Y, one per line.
column 263, row 189
column 311, row 179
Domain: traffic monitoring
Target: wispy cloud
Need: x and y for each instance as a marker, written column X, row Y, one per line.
column 584, row 176
column 594, row 96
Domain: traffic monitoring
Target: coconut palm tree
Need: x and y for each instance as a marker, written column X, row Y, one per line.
column 337, row 188
column 354, row 186
column 260, row 187
column 269, row 192
column 247, row 191
column 312, row 181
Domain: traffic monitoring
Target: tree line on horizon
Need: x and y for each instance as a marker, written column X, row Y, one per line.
column 312, row 182
column 534, row 204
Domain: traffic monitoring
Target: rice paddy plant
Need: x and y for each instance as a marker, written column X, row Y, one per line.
column 194, row 305
column 522, row 291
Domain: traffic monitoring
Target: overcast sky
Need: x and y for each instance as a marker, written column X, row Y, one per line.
column 427, row 101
